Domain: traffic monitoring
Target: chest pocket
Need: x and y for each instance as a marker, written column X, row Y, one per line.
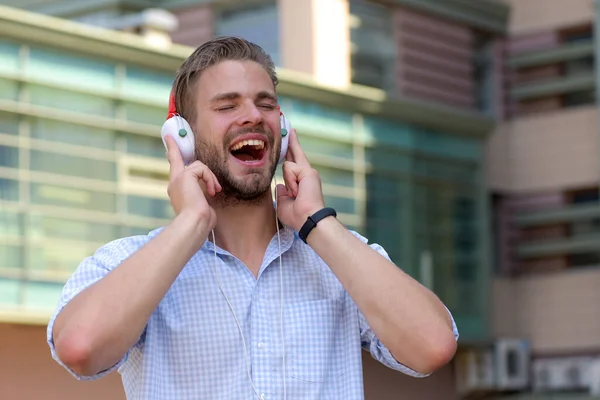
column 314, row 339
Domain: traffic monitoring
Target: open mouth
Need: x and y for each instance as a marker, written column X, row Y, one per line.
column 248, row 150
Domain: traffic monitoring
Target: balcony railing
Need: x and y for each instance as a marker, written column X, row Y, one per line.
column 550, row 71
column 570, row 230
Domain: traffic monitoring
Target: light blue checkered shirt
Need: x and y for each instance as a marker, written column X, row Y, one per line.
column 191, row 347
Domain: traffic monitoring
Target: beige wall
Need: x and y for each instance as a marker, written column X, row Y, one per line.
column 558, row 312
column 545, row 152
column 28, row 372
column 315, row 39
column 531, row 16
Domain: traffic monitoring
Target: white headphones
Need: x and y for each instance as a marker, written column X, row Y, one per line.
column 183, row 134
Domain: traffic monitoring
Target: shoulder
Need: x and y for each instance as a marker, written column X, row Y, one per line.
column 375, row 246
column 116, row 251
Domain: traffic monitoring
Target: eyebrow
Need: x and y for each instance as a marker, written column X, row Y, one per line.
column 233, row 96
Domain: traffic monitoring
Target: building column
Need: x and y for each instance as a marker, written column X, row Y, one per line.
column 315, row 39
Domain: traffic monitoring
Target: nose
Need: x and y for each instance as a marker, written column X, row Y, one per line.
column 250, row 115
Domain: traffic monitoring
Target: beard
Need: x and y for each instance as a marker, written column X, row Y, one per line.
column 249, row 189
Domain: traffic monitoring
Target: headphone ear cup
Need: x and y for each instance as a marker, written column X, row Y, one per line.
column 180, row 130
column 286, row 128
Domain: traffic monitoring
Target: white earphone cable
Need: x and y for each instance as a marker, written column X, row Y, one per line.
column 280, row 289
column 281, row 297
column 234, row 316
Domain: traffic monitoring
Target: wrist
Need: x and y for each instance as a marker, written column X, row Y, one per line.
column 195, row 222
column 315, row 219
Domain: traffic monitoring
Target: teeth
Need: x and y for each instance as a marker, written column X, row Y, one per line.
column 259, row 144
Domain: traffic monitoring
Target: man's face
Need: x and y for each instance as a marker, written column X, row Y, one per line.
column 238, row 128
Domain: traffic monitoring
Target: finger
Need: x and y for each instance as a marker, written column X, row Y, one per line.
column 282, row 192
column 176, row 164
column 207, row 173
column 205, row 176
column 291, row 171
column 297, row 154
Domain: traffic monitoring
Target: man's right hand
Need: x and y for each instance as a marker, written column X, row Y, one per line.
column 99, row 325
column 188, row 185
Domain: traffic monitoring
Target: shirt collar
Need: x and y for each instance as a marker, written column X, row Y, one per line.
column 286, row 235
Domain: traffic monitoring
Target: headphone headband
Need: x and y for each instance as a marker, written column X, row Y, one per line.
column 172, row 108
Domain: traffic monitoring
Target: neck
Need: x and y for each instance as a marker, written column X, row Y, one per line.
column 245, row 230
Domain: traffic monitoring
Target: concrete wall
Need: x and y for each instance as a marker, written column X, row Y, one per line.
column 528, row 16
column 545, row 152
column 558, row 312
column 27, row 372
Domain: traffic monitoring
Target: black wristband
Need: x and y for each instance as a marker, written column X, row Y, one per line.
column 313, row 220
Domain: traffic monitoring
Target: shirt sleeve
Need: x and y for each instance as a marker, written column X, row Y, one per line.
column 90, row 271
column 373, row 345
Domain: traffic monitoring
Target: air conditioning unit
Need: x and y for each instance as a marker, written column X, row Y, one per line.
column 562, row 374
column 511, row 358
column 594, row 376
column 474, row 371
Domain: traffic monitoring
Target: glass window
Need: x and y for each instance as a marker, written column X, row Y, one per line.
column 9, row 123
column 319, row 145
column 73, row 166
column 10, row 223
column 11, row 256
column 9, row 190
column 384, row 159
column 258, row 23
column 42, row 295
column 145, row 114
column 146, row 145
column 446, row 170
column 147, row 84
column 149, row 207
column 64, row 132
column 313, row 117
column 71, row 101
column 43, row 226
column 448, row 145
column 341, row 204
column 336, row 176
column 9, row 156
column 134, row 231
column 387, row 132
column 58, row 257
column 9, row 56
column 71, row 197
column 373, row 65
column 71, row 69
column 9, row 89
column 9, row 292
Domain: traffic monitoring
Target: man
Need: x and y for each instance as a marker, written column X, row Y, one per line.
column 227, row 301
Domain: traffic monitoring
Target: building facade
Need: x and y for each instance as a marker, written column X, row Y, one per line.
column 543, row 174
column 394, row 102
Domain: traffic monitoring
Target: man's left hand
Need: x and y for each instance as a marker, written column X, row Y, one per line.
column 302, row 194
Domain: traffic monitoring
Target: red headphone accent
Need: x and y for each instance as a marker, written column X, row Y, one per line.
column 172, row 109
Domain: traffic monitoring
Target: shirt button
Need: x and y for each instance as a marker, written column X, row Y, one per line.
column 263, row 397
column 260, row 346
